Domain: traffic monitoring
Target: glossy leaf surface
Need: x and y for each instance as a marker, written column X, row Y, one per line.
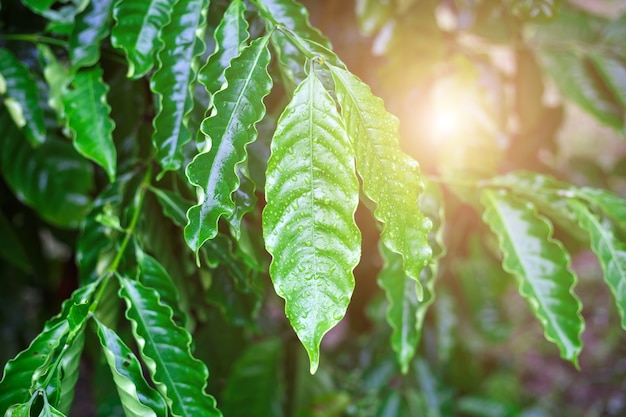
column 166, row 350
column 173, row 80
column 609, row 203
column 214, row 171
column 610, row 252
column 540, row 265
column 138, row 398
column 90, row 28
column 21, row 89
column 89, row 120
column 137, row 30
column 380, row 162
column 17, row 380
column 308, row 222
column 230, row 37
column 52, row 179
column 173, row 204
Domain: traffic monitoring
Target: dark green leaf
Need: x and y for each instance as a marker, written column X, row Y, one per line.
column 259, row 370
column 391, row 179
column 610, row 252
column 173, row 204
column 11, row 248
column 52, row 179
column 22, row 97
column 88, row 118
column 90, row 28
column 138, row 398
column 540, row 265
column 244, row 199
column 308, row 222
column 238, row 108
column 138, row 25
column 166, row 350
column 172, row 82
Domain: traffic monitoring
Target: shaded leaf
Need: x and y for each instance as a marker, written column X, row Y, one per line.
column 165, row 348
column 259, row 370
column 89, row 120
column 238, row 108
column 90, row 28
column 244, row 199
column 52, row 179
column 540, row 265
column 68, row 371
column 172, row 82
column 138, row 25
column 137, row 396
column 173, row 204
column 22, row 89
column 610, row 252
column 391, row 178
column 57, row 77
column 11, row 248
column 308, row 222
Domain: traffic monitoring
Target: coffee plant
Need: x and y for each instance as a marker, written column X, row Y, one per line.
column 170, row 166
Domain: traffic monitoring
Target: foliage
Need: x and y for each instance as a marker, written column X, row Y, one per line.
column 169, row 167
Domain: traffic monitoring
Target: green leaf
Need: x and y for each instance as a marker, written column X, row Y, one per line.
column 68, row 371
column 214, row 171
column 138, row 398
column 308, row 222
column 137, row 30
column 173, row 204
column 57, row 77
column 88, row 118
column 610, row 204
column 258, row 369
column 245, row 200
column 11, row 248
column 173, row 80
column 50, row 411
column 391, row 178
column 166, row 349
column 610, row 252
column 22, row 89
column 372, row 15
column 21, row 410
column 154, row 276
column 90, row 28
column 230, row 37
column 540, row 265
column 403, row 305
column 536, row 9
column 52, row 179
column 17, row 381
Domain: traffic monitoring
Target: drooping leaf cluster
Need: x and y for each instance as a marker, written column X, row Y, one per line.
column 186, row 150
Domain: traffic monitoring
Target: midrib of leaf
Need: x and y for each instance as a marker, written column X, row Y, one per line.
column 311, row 170
column 521, row 265
column 607, row 241
column 157, row 355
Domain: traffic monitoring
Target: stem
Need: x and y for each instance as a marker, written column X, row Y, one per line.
column 34, row 39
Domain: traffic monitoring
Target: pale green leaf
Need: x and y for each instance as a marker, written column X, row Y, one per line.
column 372, row 15
column 49, row 411
column 173, row 80
column 52, row 179
column 610, row 204
column 22, row 89
column 138, row 398
column 90, row 28
column 610, row 252
column 19, row 410
column 214, row 171
column 391, row 179
column 541, row 266
column 88, row 117
column 230, row 37
column 138, row 25
column 308, row 222
column 166, row 349
column 57, row 77
column 68, row 371
column 405, row 313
